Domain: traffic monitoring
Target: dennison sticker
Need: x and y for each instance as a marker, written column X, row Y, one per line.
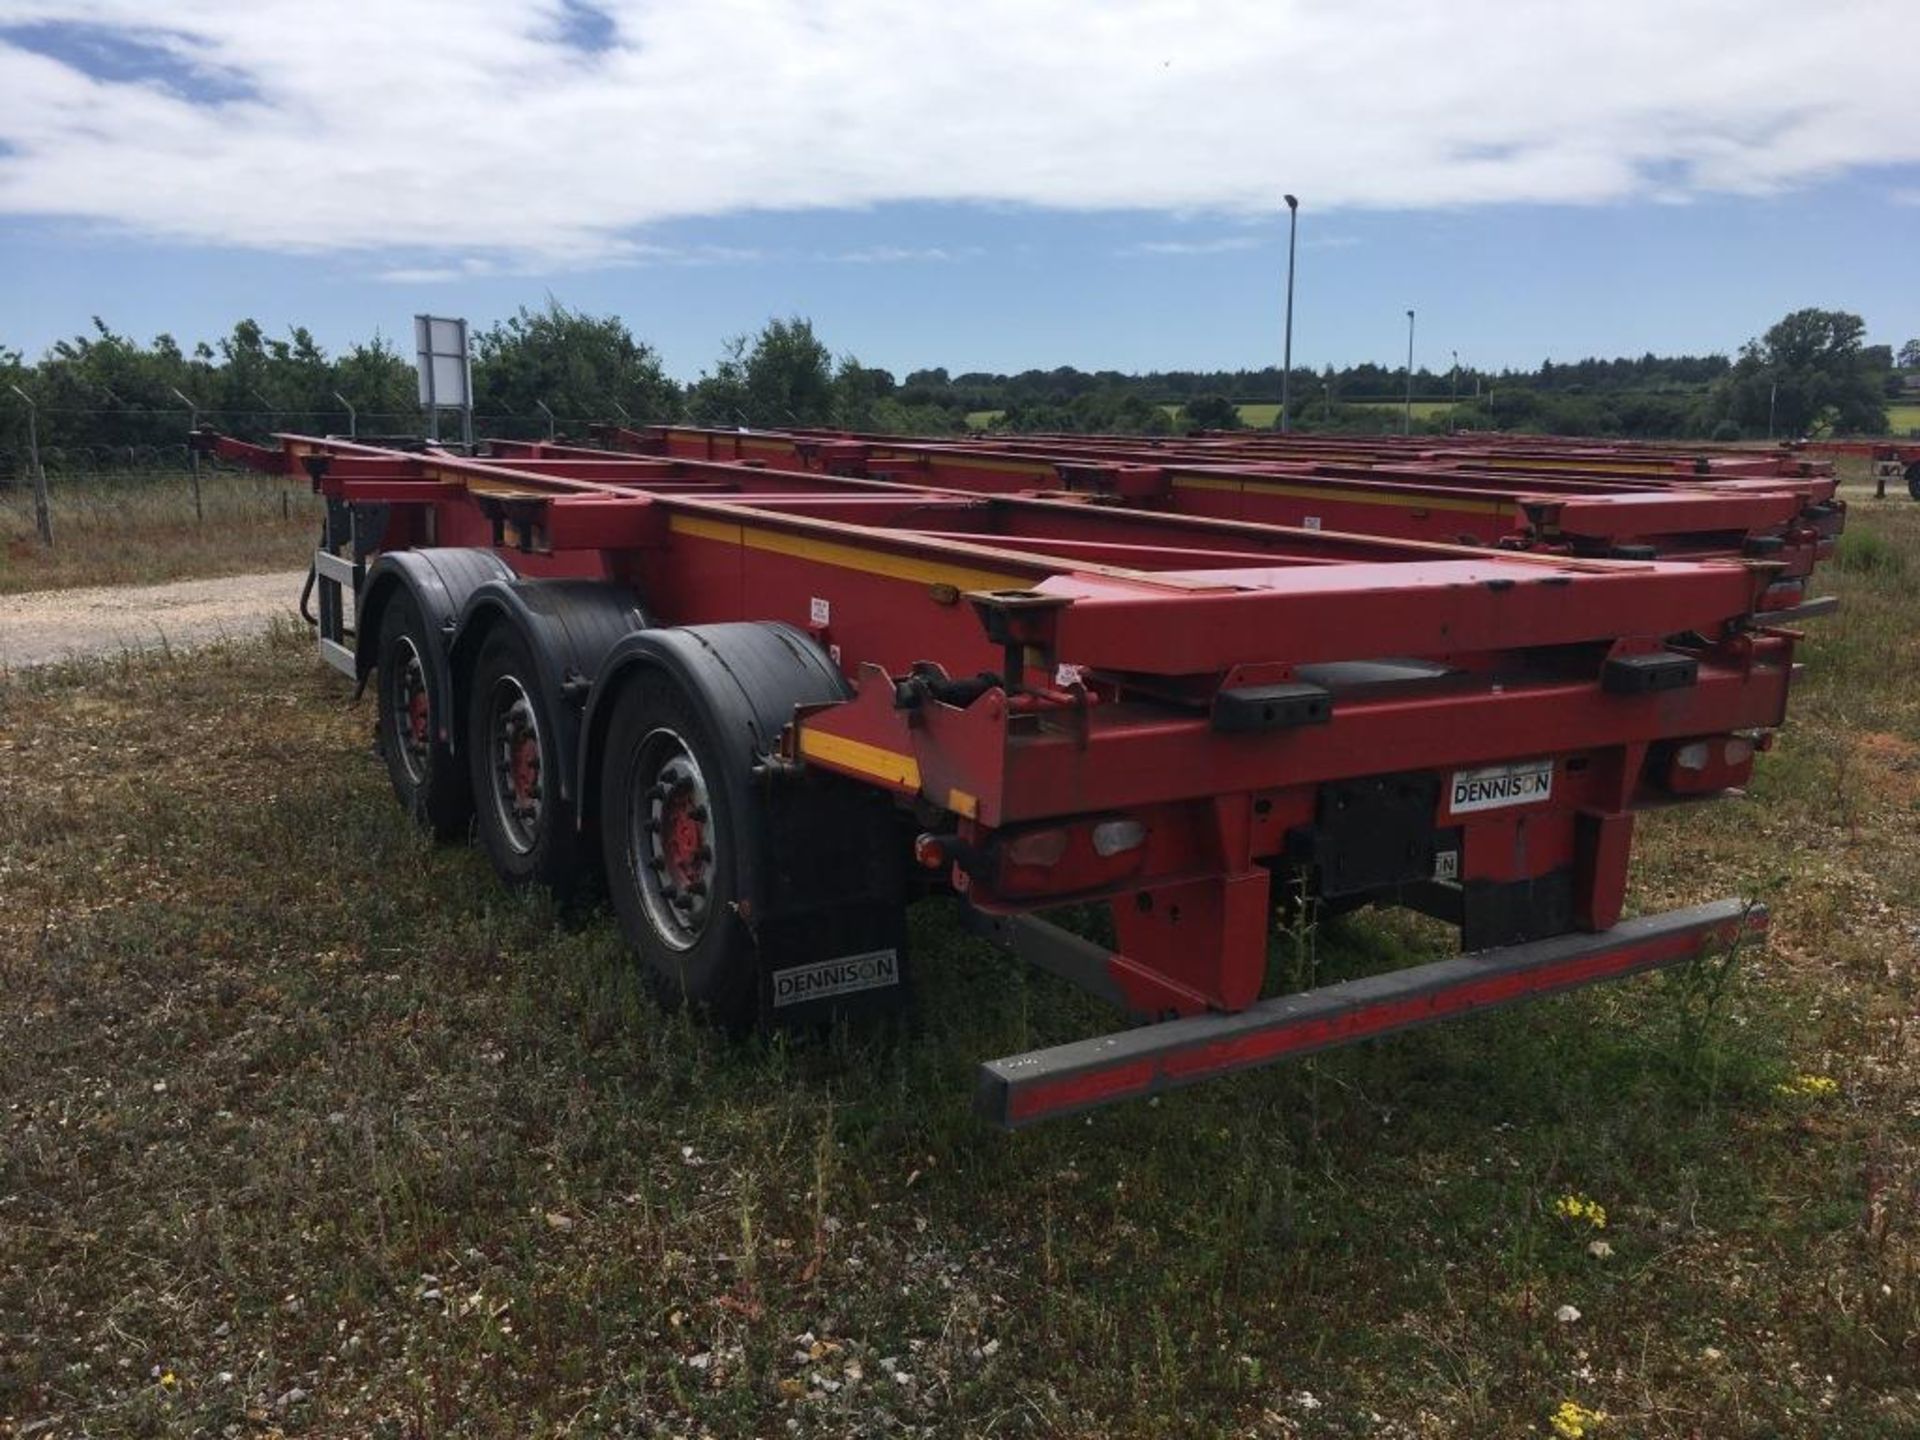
column 1493, row 786
column 827, row 979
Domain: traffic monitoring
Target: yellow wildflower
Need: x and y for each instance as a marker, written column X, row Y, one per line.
column 1573, row 1420
column 169, row 1380
column 1579, row 1207
column 1819, row 1085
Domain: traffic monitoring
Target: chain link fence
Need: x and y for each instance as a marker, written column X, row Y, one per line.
column 125, row 443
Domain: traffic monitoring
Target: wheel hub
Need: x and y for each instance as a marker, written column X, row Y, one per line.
column 674, row 839
column 514, row 734
column 412, row 713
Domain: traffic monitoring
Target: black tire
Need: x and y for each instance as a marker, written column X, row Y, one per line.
column 1913, row 480
column 707, row 957
column 427, row 780
column 514, row 769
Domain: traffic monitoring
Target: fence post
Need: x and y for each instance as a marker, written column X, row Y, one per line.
column 193, row 455
column 42, row 511
column 353, row 416
column 549, row 414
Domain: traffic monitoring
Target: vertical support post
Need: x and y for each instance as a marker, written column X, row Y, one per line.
column 427, row 380
column 353, row 416
column 193, row 455
column 542, row 405
column 42, row 511
column 1406, row 424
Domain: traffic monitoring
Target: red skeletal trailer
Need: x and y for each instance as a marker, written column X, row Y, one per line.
column 777, row 704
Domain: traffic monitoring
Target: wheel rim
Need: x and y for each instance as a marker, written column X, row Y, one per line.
column 412, row 711
column 673, row 840
column 513, row 739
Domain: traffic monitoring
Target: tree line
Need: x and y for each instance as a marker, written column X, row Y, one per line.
column 1810, row 372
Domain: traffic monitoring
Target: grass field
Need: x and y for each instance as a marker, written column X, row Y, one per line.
column 307, row 1128
column 140, row 528
column 1903, row 420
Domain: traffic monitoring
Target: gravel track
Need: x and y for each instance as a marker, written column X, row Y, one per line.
column 43, row 627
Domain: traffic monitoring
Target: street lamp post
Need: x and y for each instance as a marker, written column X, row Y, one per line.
column 1286, row 359
column 1406, row 422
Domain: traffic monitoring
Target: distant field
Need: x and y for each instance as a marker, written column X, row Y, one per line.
column 138, row 527
column 1422, row 409
column 1901, row 419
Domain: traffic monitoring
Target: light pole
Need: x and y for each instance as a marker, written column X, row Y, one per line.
column 1326, row 402
column 1453, row 391
column 1773, row 399
column 353, row 415
column 1406, row 423
column 1286, row 359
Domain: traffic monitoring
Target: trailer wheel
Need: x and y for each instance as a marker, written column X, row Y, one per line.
column 1913, row 480
column 514, row 767
column 427, row 780
column 675, row 845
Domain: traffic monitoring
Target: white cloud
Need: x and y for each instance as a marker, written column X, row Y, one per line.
column 903, row 254
column 1218, row 245
column 473, row 128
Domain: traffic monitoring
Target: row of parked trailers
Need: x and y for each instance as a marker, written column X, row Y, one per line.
column 771, row 687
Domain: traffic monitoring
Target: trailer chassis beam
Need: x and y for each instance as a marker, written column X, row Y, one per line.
column 1021, row 1090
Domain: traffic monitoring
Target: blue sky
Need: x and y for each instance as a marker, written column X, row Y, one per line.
column 1052, row 194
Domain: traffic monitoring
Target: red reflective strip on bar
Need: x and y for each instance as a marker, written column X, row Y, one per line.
column 1026, row 1102
column 1390, row 1015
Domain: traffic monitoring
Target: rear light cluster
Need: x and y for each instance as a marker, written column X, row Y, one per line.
column 1080, row 856
column 1066, row 859
column 1699, row 767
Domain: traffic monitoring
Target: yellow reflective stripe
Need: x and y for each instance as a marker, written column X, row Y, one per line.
column 890, row 766
column 850, row 557
column 1345, row 497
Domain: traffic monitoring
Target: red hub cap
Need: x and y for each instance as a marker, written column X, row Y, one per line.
column 526, row 768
